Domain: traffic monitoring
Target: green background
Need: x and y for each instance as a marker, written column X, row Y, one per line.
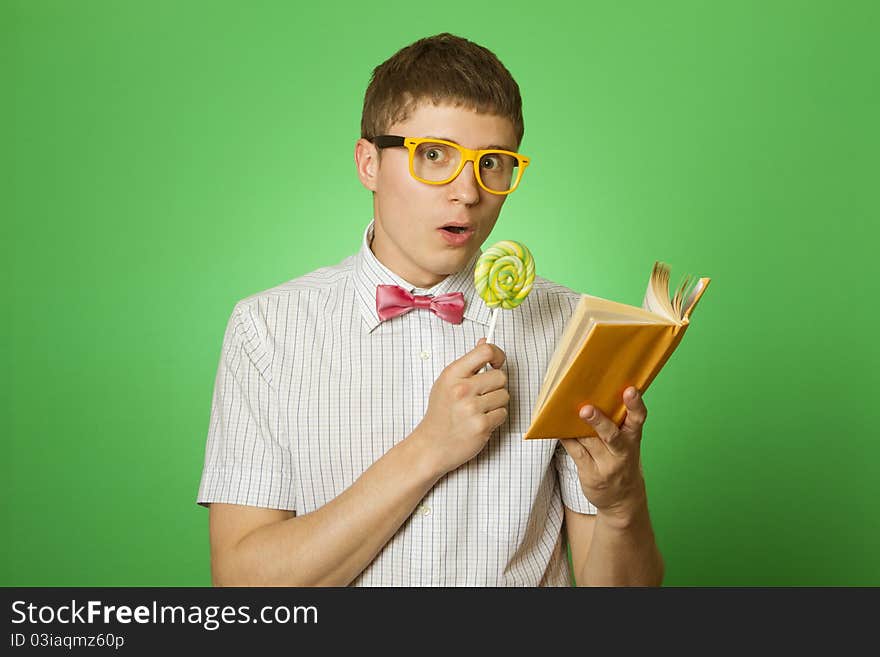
column 162, row 160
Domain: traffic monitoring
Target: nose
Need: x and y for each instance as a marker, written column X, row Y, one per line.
column 464, row 187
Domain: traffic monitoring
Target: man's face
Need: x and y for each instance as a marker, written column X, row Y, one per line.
column 410, row 215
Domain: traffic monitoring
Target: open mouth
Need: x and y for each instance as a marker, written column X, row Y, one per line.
column 455, row 229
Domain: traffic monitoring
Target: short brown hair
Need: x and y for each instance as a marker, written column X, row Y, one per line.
column 442, row 68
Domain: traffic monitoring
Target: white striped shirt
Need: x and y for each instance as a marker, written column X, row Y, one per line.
column 312, row 388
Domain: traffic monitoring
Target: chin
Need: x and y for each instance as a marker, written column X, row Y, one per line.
column 460, row 261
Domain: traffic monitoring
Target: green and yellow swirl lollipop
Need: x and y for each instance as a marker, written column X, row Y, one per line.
column 504, row 276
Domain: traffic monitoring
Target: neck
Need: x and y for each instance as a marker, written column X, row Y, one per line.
column 420, row 279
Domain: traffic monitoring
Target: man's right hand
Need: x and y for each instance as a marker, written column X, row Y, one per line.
column 464, row 408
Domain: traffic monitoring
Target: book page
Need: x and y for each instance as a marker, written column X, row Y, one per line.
column 569, row 351
column 694, row 296
column 569, row 334
column 603, row 307
column 657, row 294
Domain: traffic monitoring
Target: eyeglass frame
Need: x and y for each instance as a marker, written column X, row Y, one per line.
column 467, row 155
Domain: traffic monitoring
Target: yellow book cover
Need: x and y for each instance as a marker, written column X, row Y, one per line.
column 608, row 346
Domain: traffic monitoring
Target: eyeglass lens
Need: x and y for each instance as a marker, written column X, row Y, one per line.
column 437, row 162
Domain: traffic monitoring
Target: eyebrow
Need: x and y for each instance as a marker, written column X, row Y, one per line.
column 481, row 148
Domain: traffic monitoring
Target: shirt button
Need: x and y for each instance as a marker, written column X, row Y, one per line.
column 424, row 510
column 425, row 355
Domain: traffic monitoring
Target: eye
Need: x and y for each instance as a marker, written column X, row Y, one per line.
column 433, row 153
column 491, row 162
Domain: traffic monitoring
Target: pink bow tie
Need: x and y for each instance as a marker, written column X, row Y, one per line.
column 393, row 300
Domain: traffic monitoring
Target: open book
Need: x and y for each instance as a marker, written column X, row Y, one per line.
column 608, row 346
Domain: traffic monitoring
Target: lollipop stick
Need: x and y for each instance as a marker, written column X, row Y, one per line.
column 492, row 321
column 491, row 334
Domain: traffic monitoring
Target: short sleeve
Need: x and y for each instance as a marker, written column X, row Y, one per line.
column 247, row 456
column 569, row 485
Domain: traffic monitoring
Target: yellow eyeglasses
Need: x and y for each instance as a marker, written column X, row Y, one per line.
column 438, row 162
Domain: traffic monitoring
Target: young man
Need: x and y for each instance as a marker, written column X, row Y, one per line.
column 356, row 438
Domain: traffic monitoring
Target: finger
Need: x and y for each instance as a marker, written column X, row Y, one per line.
column 497, row 417
column 473, row 361
column 636, row 411
column 607, row 430
column 492, row 400
column 597, row 448
column 498, row 356
column 498, row 349
column 490, row 380
column 581, row 455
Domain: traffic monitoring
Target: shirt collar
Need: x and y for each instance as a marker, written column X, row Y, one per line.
column 368, row 273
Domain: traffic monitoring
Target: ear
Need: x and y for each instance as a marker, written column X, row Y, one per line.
column 366, row 157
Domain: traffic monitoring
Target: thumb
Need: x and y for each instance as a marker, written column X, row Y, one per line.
column 481, row 341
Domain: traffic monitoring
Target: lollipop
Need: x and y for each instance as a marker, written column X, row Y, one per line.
column 503, row 277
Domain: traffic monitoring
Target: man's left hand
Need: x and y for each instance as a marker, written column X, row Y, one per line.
column 609, row 466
